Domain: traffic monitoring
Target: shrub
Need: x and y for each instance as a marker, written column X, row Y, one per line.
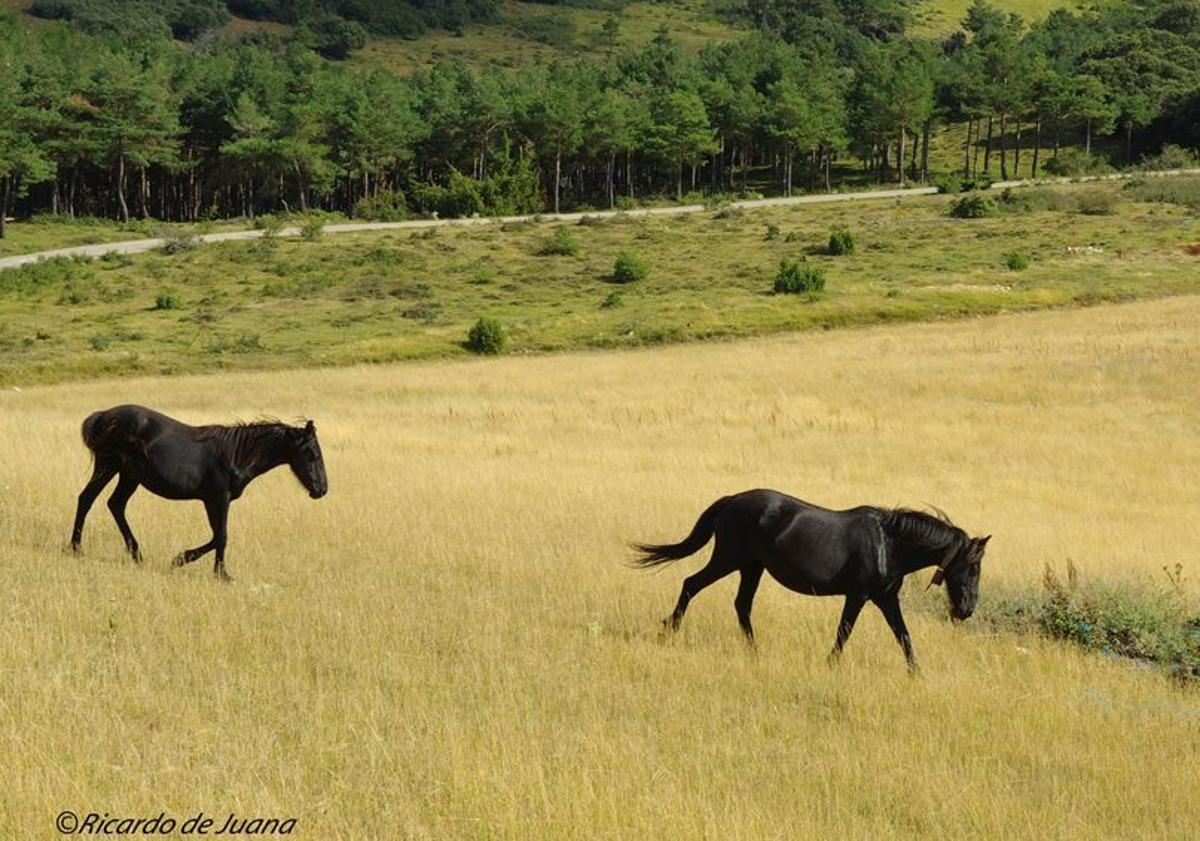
column 1094, row 203
column 269, row 225
column 974, row 206
column 312, row 229
column 629, row 267
column 384, row 206
column 841, row 242
column 486, row 337
column 561, row 243
column 1171, row 157
column 1183, row 191
column 553, row 30
column 178, row 242
column 948, row 183
column 168, row 300
column 794, row 278
column 1016, row 261
column 772, row 232
column 1071, row 163
column 612, row 299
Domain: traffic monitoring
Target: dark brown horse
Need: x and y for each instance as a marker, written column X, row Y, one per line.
column 213, row 464
column 863, row 553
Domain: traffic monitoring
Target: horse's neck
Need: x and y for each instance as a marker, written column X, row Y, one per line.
column 912, row 558
column 255, row 456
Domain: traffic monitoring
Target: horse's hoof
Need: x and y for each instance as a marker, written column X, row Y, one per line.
column 178, row 561
column 75, row 549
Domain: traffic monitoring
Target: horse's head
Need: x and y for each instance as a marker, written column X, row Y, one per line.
column 306, row 460
column 962, row 577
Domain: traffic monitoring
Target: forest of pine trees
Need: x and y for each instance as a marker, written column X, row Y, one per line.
column 188, row 127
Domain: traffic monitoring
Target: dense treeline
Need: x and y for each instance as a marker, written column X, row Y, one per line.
column 333, row 27
column 147, row 128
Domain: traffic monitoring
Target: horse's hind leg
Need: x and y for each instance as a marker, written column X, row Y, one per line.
column 850, row 610
column 718, row 567
column 102, row 473
column 744, row 601
column 116, row 504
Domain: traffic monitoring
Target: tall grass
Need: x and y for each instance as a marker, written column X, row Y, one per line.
column 450, row 646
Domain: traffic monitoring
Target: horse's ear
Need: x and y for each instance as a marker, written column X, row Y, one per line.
column 983, row 540
column 310, row 428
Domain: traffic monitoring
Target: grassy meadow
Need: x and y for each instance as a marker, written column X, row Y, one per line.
column 449, row 646
column 389, row 295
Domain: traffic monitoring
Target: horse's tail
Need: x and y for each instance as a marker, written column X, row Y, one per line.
column 93, row 432
column 664, row 553
column 104, row 433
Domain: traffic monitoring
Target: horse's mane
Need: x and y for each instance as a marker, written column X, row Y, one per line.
column 920, row 530
column 246, row 443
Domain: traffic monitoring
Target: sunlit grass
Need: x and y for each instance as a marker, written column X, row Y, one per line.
column 449, row 646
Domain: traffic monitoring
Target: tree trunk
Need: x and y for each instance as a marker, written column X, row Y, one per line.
column 612, row 162
column 5, row 186
column 1017, row 151
column 925, row 130
column 987, row 152
column 967, row 149
column 912, row 164
column 121, row 188
column 1129, row 142
column 900, row 157
column 828, row 166
column 629, row 171
column 1037, row 143
column 678, row 179
column 557, row 175
column 144, row 194
column 1003, row 148
column 1087, row 145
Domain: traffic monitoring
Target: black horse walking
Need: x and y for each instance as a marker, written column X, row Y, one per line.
column 863, row 553
column 213, row 464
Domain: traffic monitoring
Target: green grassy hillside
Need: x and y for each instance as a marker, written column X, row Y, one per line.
column 386, row 295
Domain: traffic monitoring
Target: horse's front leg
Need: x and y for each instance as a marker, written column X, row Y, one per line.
column 890, row 605
column 218, row 517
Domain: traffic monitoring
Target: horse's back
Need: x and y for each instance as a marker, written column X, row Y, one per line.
column 806, row 547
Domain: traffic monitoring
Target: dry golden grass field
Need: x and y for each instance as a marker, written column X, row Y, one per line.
column 448, row 646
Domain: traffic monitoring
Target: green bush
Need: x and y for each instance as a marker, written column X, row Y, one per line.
column 561, row 243
column 612, row 299
column 948, row 183
column 1016, row 261
column 384, row 206
column 772, row 232
column 795, row 277
column 974, row 206
column 1072, row 163
column 629, row 267
column 168, row 300
column 1171, row 157
column 178, row 242
column 312, row 229
column 841, row 242
column 487, row 337
column 1184, row 190
column 1096, row 203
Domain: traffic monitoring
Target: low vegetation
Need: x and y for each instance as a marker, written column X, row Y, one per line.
column 400, row 294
